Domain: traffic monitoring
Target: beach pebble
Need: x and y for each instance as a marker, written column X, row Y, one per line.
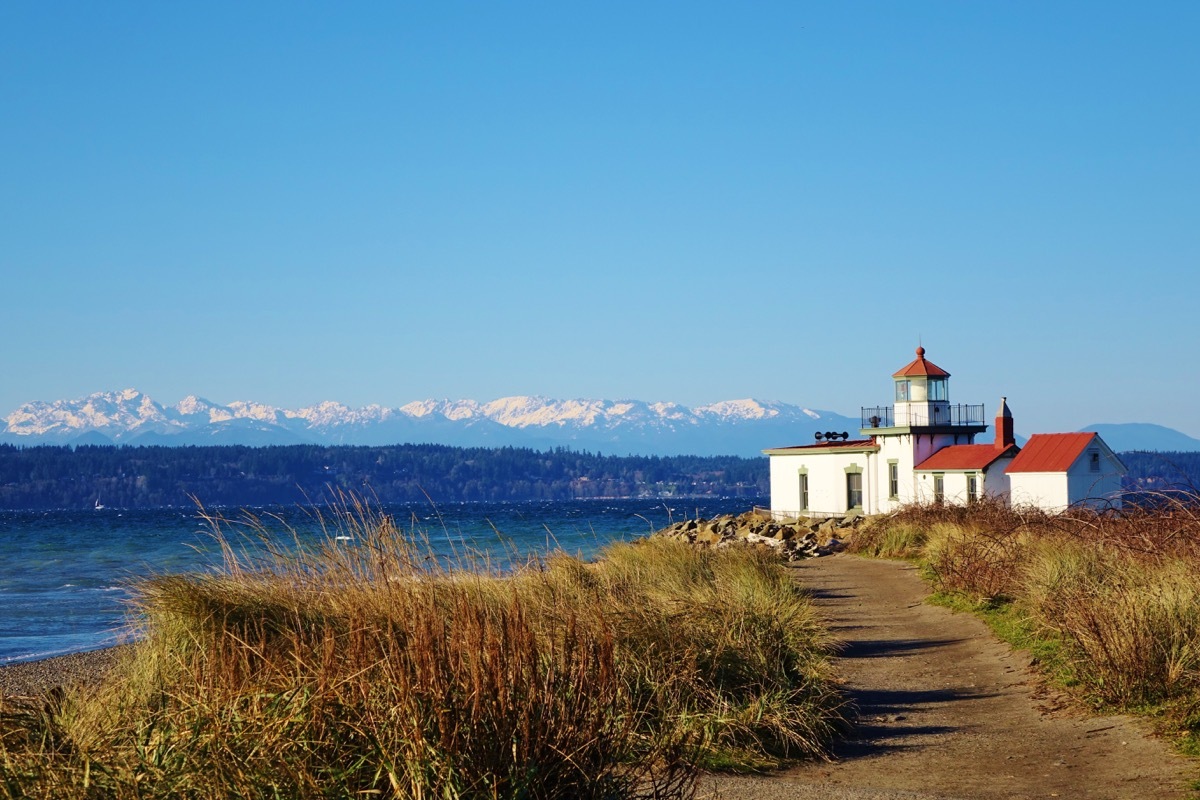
column 35, row 678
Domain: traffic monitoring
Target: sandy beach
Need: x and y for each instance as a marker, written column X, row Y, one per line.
column 33, row 678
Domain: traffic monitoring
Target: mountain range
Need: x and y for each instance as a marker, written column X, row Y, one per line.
column 621, row 427
column 1126, row 436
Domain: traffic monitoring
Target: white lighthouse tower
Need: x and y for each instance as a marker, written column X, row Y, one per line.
column 922, row 407
column 920, row 423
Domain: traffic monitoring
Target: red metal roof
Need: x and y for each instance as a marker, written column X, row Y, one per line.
column 1050, row 452
column 965, row 456
column 859, row 443
column 921, row 367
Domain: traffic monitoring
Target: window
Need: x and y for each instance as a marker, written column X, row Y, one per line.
column 937, row 389
column 902, row 391
column 803, row 491
column 1094, row 460
column 854, row 490
column 893, row 480
column 972, row 489
column 939, row 488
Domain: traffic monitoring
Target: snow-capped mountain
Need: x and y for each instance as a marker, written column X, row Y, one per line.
column 129, row 412
column 742, row 427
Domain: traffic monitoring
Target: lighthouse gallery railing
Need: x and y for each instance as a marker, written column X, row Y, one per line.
column 885, row 416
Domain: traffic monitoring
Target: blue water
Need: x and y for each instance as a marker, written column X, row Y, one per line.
column 65, row 576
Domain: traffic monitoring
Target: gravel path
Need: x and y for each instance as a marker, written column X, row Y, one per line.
column 947, row 711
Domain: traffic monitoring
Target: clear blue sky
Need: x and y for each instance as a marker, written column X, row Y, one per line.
column 376, row 203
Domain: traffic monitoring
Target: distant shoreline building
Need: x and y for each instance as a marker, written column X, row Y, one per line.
column 922, row 450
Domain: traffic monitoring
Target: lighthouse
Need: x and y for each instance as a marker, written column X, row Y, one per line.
column 921, row 422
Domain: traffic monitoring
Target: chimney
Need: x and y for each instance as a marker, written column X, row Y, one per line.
column 1004, row 426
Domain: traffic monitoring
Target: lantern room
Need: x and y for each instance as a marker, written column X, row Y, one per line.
column 922, row 396
column 921, row 381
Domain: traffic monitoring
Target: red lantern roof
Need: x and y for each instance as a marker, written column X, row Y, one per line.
column 921, row 367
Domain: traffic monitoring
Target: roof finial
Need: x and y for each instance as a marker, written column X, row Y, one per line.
column 921, row 367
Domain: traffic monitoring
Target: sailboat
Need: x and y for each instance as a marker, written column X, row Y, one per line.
column 99, row 505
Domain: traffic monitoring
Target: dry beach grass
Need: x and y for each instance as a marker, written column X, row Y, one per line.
column 364, row 668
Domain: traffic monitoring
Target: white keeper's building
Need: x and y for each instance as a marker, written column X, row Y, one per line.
column 922, row 450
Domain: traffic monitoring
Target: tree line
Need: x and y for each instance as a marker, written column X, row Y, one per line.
column 46, row 477
column 1156, row 472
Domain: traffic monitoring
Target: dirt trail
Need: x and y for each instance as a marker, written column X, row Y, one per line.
column 947, row 711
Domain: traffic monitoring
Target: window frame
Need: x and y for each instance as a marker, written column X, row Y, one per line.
column 854, row 475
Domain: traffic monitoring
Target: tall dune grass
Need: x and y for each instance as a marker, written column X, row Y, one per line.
column 360, row 667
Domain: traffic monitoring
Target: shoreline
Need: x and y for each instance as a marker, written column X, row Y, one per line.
column 36, row 678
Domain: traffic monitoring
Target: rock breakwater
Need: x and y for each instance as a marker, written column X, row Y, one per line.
column 793, row 539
